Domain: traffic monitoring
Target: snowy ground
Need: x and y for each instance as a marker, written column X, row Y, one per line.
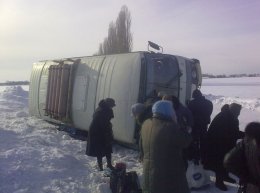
column 35, row 157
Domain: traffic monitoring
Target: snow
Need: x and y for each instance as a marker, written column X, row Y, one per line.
column 36, row 157
column 244, row 91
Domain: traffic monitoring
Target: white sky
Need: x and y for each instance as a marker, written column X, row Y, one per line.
column 223, row 34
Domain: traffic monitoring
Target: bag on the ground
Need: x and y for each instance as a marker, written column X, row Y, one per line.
column 196, row 176
column 132, row 184
column 124, row 182
column 117, row 178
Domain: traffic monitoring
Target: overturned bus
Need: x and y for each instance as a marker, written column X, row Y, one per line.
column 67, row 91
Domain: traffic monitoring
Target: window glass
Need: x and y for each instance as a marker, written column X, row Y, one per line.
column 162, row 76
column 162, row 71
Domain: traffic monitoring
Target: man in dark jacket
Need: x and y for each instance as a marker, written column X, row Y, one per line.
column 161, row 145
column 221, row 137
column 100, row 134
column 201, row 109
column 184, row 115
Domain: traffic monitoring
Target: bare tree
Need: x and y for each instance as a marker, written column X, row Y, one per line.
column 100, row 50
column 112, row 39
column 105, row 46
column 119, row 38
column 124, row 35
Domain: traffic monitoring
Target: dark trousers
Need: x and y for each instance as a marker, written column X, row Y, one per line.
column 100, row 163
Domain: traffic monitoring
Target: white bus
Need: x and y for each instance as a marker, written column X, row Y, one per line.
column 67, row 91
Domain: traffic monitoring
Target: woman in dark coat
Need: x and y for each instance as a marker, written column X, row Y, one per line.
column 100, row 134
column 221, row 137
column 161, row 145
column 244, row 159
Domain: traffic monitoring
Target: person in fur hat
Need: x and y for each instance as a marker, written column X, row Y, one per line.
column 100, row 134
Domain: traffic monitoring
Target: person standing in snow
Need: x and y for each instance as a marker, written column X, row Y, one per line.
column 161, row 145
column 201, row 109
column 244, row 159
column 100, row 135
column 136, row 110
column 184, row 119
column 221, row 137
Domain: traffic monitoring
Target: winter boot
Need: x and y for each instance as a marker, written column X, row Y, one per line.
column 99, row 163
column 109, row 163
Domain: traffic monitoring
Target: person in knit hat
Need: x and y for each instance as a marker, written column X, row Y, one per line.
column 161, row 144
column 137, row 109
column 164, row 109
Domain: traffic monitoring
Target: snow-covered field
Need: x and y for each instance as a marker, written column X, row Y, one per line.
column 244, row 91
column 35, row 157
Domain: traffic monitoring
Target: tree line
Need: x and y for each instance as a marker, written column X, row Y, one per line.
column 230, row 76
column 12, row 83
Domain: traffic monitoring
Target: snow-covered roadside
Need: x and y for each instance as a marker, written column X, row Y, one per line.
column 36, row 157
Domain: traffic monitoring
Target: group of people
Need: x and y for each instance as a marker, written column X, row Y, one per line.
column 170, row 133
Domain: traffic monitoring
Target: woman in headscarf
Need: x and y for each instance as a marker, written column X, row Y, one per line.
column 161, row 145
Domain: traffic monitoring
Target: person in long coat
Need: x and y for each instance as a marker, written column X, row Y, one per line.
column 201, row 109
column 100, row 134
column 244, row 159
column 221, row 137
column 161, row 145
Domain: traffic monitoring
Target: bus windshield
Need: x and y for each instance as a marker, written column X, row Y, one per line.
column 162, row 75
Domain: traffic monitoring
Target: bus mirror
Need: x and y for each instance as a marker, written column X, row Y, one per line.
column 154, row 46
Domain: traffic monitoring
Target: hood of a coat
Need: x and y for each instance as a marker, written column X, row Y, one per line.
column 235, row 109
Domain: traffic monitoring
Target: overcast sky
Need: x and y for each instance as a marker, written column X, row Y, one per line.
column 223, row 34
